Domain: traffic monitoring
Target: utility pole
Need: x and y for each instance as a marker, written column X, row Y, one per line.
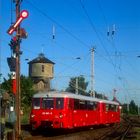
column 18, row 98
column 138, row 109
column 128, row 108
column 76, row 90
column 14, row 61
column 92, row 72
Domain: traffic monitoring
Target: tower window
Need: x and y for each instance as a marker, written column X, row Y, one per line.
column 43, row 68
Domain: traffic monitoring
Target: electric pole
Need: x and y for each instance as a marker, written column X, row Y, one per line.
column 18, row 98
column 76, row 90
column 14, row 62
column 92, row 72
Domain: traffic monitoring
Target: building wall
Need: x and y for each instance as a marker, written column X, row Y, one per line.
column 42, row 86
column 44, row 70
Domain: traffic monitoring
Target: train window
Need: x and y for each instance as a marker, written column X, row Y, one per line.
column 76, row 104
column 47, row 103
column 59, row 103
column 82, row 104
column 36, row 103
column 116, row 108
column 70, row 103
column 112, row 107
column 94, row 105
column 89, row 105
column 107, row 107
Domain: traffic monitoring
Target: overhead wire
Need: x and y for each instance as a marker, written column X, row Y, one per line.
column 102, row 11
column 63, row 64
column 62, row 26
column 49, row 17
column 74, row 64
column 111, row 41
column 58, row 24
column 95, row 30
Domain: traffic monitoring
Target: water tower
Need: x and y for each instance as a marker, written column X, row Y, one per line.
column 41, row 71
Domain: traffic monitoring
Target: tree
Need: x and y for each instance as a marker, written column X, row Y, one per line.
column 26, row 89
column 82, row 85
column 7, row 84
column 133, row 109
column 125, row 108
column 130, row 108
column 100, row 96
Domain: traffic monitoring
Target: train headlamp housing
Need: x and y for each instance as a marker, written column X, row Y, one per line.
column 60, row 115
column 32, row 115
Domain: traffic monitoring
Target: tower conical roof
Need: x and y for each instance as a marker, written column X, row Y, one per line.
column 41, row 59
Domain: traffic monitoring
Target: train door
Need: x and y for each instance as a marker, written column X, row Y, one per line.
column 70, row 105
column 58, row 113
column 103, row 113
column 106, row 113
column 76, row 113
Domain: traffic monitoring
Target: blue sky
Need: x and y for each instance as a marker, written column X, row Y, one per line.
column 77, row 29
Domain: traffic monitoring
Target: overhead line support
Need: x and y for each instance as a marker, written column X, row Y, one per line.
column 18, row 91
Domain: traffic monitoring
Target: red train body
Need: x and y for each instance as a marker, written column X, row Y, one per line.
column 67, row 110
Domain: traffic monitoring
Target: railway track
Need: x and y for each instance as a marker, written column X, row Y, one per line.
column 116, row 132
column 92, row 133
column 119, row 132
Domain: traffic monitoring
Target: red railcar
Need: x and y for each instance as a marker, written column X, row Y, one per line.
column 68, row 110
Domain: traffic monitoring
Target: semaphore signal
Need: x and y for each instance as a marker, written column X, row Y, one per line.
column 24, row 14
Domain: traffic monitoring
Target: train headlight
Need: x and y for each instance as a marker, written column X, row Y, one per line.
column 32, row 116
column 60, row 115
column 120, row 107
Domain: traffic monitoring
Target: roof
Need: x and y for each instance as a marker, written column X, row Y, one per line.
column 41, row 59
column 70, row 95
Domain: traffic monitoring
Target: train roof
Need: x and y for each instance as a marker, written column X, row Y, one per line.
column 62, row 94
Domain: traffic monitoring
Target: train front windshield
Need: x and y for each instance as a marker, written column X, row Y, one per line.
column 53, row 103
column 36, row 103
column 47, row 103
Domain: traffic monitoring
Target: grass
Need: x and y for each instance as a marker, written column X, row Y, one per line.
column 137, row 129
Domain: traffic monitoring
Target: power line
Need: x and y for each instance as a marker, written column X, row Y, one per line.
column 101, row 9
column 58, row 24
column 94, row 29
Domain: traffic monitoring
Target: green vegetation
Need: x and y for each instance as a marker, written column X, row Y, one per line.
column 82, row 87
column 26, row 89
column 130, row 108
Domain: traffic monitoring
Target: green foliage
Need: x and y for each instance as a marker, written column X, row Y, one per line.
column 100, row 96
column 26, row 89
column 7, row 84
column 130, row 108
column 82, row 85
column 125, row 108
column 133, row 109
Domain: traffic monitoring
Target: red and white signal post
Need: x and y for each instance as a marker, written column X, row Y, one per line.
column 15, row 75
column 24, row 14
